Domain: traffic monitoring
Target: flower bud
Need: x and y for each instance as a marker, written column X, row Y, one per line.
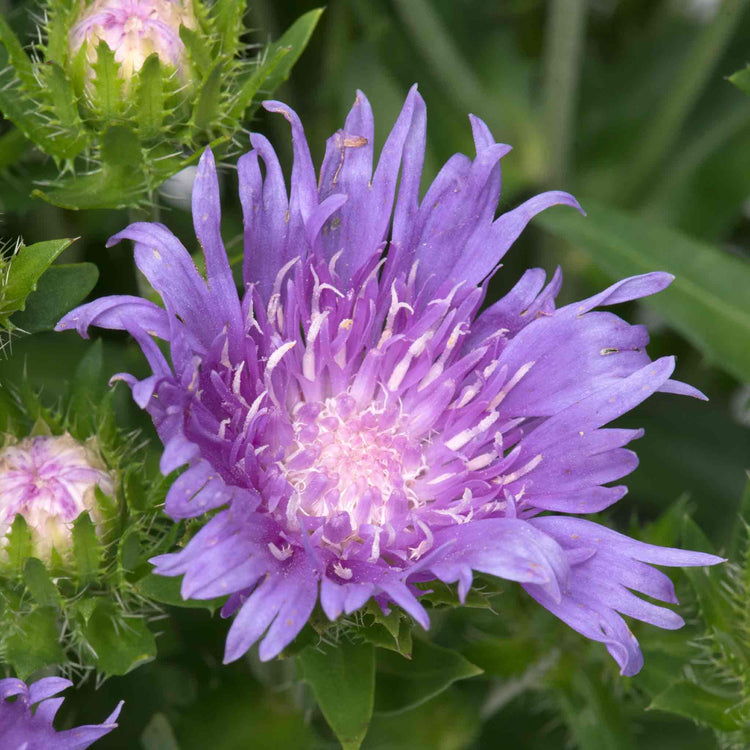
column 50, row 481
column 133, row 30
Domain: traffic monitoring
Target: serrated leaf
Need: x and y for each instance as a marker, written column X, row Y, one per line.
column 39, row 584
column 121, row 644
column 696, row 703
column 405, row 683
column 35, row 645
column 59, row 290
column 706, row 582
column 26, row 268
column 342, row 679
column 150, row 114
column 167, row 591
column 207, row 105
column 107, row 83
column 18, row 58
column 741, row 528
column 87, row 549
column 19, row 546
column 741, row 79
column 707, row 303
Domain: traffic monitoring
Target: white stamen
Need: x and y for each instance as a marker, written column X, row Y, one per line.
column 510, row 385
column 509, row 478
column 341, row 571
column 281, row 554
column 459, row 441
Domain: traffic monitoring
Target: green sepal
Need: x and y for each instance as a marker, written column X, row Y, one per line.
column 39, row 584
column 120, row 643
column 197, row 49
column 87, row 550
column 342, row 679
column 391, row 631
column 228, row 25
column 107, row 99
column 207, row 105
column 19, row 547
column 18, row 58
column 64, row 108
column 249, row 86
column 35, row 644
column 150, row 114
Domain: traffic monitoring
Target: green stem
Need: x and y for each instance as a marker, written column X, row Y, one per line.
column 566, row 23
column 696, row 71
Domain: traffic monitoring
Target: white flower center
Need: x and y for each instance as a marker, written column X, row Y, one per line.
column 347, row 460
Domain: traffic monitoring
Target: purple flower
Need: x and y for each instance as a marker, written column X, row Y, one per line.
column 354, row 424
column 22, row 728
column 50, row 481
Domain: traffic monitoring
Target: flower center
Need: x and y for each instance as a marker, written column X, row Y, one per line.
column 345, row 460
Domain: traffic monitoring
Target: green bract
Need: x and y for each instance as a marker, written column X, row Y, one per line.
column 80, row 608
column 116, row 125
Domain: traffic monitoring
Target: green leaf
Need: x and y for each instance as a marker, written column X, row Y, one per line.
column 707, row 303
column 129, row 552
column 343, row 680
column 39, row 583
column 150, row 114
column 405, row 683
column 248, row 87
column 18, row 58
column 741, row 79
column 121, row 644
column 13, row 146
column 503, row 657
column 107, row 83
column 167, row 591
column 26, row 268
column 696, row 703
column 295, row 38
column 60, row 289
column 35, row 645
column 19, row 546
column 87, row 549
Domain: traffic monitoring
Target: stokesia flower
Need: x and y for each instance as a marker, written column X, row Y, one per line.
column 133, row 30
column 25, row 728
column 354, row 424
column 50, row 481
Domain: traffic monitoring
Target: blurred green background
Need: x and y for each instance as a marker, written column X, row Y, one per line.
column 624, row 103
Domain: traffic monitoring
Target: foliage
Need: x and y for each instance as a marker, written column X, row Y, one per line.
column 115, row 141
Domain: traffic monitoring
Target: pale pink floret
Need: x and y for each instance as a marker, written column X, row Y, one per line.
column 50, row 481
